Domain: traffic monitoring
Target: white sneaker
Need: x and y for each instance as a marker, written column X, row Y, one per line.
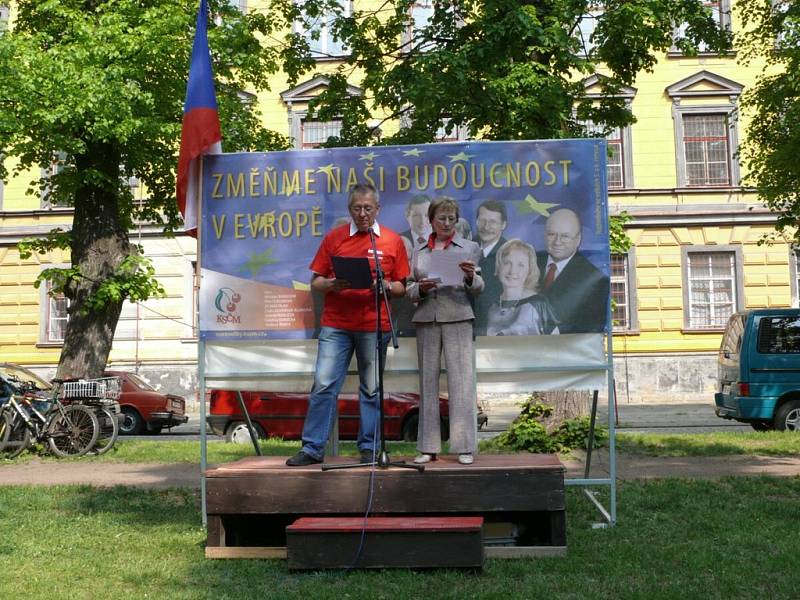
column 423, row 458
column 466, row 459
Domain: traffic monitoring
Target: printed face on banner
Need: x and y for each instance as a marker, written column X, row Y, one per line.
column 538, row 210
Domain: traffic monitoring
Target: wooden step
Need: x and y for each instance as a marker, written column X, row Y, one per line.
column 399, row 542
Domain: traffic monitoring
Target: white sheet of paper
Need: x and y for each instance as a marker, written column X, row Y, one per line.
column 444, row 264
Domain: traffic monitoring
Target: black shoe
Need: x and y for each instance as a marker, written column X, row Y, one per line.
column 366, row 456
column 301, row 459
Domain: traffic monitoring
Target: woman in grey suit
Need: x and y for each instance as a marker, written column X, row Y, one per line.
column 443, row 319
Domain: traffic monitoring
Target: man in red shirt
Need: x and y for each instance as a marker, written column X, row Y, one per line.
column 348, row 325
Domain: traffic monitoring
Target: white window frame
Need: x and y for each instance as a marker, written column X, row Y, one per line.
column 737, row 288
column 55, row 166
column 586, row 27
column 192, row 287
column 705, row 84
column 794, row 274
column 460, row 133
column 46, row 309
column 335, row 126
column 732, row 145
column 412, row 27
column 724, row 19
column 628, row 280
column 627, row 93
column 296, row 100
column 624, row 142
column 5, row 12
column 329, row 49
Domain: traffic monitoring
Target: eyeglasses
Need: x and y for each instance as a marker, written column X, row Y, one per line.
column 367, row 209
column 561, row 237
column 484, row 222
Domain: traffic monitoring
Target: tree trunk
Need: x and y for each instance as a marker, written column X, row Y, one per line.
column 567, row 404
column 99, row 245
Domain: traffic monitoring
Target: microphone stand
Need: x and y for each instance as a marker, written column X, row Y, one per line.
column 382, row 459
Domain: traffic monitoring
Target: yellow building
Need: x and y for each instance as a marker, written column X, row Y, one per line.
column 695, row 229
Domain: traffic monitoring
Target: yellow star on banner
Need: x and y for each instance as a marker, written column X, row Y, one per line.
column 415, row 152
column 258, row 261
column 460, row 156
column 368, row 157
column 327, row 169
column 531, row 205
column 299, row 285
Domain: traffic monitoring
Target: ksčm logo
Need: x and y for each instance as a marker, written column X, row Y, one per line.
column 226, row 302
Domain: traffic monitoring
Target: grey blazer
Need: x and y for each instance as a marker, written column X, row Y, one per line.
column 444, row 304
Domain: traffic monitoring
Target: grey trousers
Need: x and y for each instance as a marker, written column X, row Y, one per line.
column 455, row 340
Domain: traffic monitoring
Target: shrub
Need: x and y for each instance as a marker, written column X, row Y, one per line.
column 532, row 432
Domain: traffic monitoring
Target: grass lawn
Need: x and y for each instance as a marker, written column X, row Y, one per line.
column 728, row 539
column 766, row 443
column 772, row 443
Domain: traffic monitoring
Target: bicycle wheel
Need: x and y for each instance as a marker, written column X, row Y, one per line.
column 109, row 430
column 14, row 436
column 73, row 432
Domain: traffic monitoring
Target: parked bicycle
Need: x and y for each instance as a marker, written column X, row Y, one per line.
column 67, row 430
column 101, row 396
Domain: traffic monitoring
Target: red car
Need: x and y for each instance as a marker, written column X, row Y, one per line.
column 144, row 410
column 281, row 414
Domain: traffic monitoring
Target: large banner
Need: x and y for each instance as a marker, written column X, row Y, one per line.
column 538, row 209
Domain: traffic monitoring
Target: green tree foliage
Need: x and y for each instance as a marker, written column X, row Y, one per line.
column 97, row 86
column 501, row 69
column 772, row 145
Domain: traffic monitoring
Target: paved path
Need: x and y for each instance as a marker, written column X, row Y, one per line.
column 160, row 475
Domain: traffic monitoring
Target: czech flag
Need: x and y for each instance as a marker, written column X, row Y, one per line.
column 201, row 132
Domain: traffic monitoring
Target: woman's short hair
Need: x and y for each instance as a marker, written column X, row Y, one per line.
column 532, row 280
column 442, row 202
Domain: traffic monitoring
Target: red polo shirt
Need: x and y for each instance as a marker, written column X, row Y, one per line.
column 354, row 310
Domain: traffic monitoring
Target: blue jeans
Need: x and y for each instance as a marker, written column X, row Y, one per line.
column 335, row 350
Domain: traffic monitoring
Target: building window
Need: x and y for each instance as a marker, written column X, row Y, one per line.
column 58, row 164
column 623, row 292
column 319, row 32
column 194, row 294
column 617, row 159
column 313, row 134
column 53, row 325
column 706, row 145
column 585, row 29
column 304, row 131
column 706, row 137
column 720, row 12
column 794, row 268
column 712, row 290
column 458, row 133
column 706, row 148
column 424, row 31
column 4, row 10
column 420, row 15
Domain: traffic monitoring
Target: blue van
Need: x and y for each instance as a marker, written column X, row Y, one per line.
column 759, row 369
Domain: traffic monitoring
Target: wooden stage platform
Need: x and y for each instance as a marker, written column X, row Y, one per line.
column 521, row 498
